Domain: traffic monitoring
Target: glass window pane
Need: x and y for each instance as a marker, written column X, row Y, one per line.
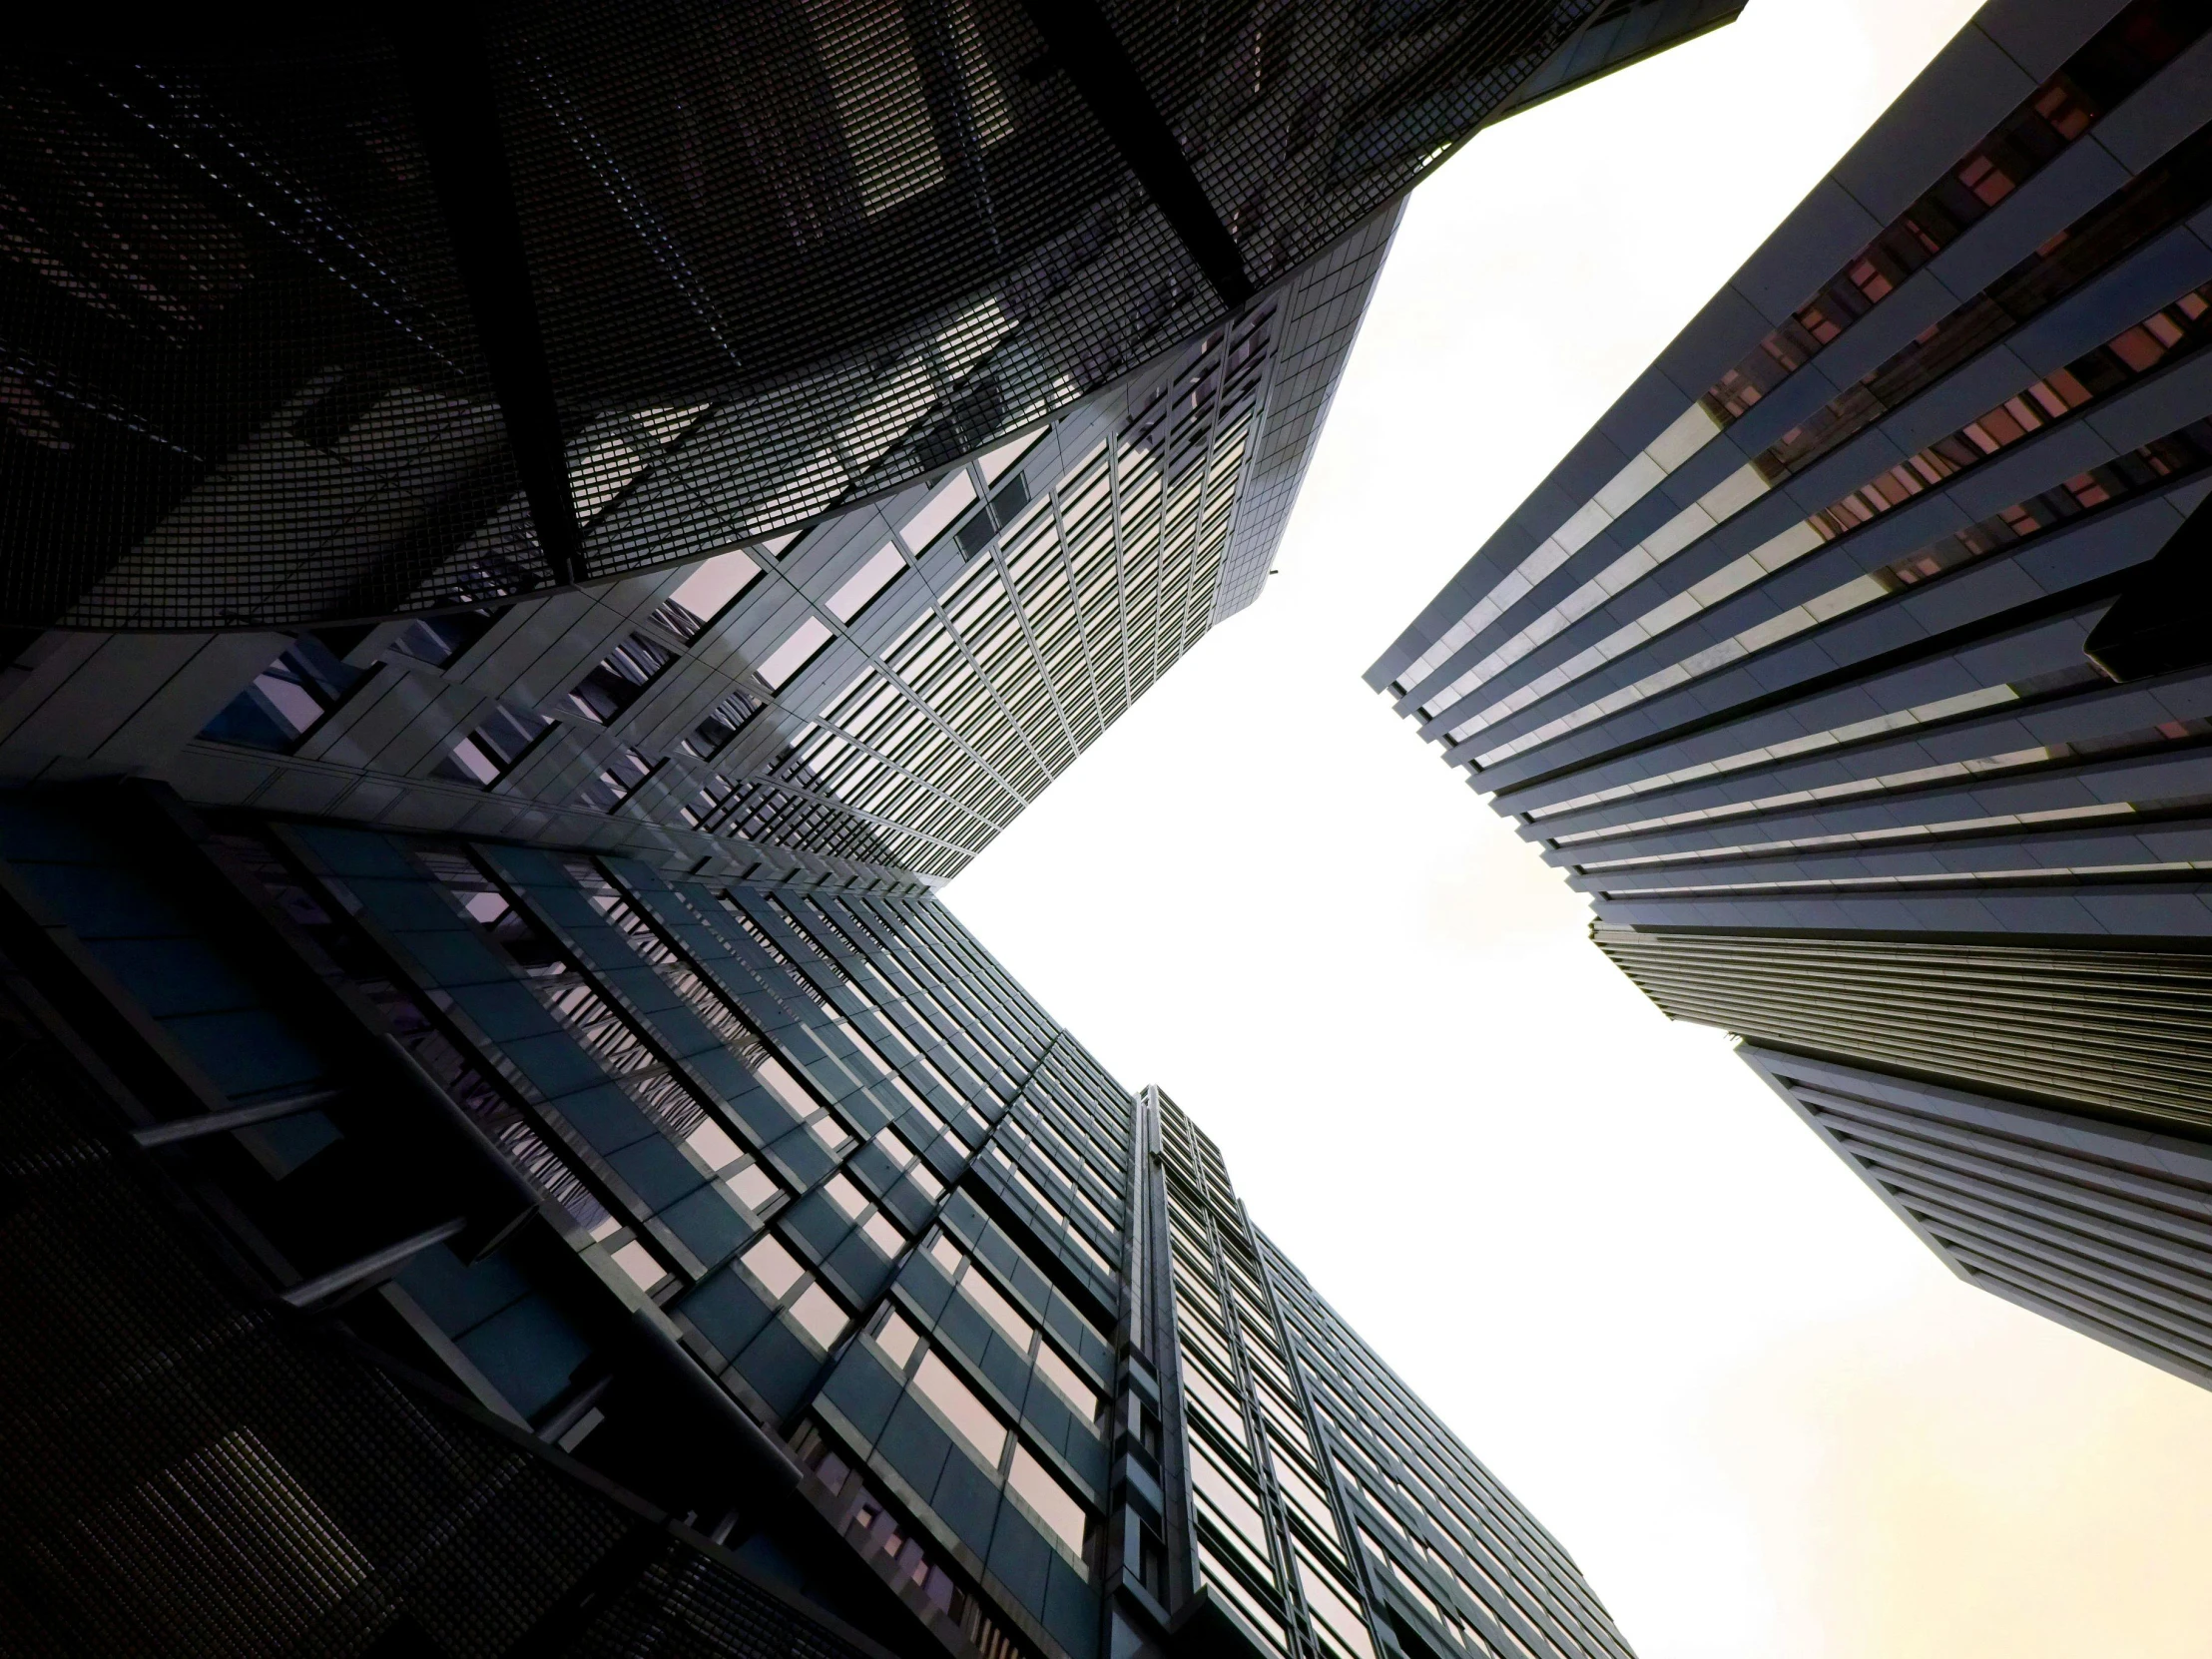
column 998, row 1309
column 845, row 1196
column 752, row 1185
column 865, row 583
column 714, row 584
column 797, row 647
column 1068, row 1384
column 897, row 1338
column 774, row 1265
column 1228, row 1495
column 713, row 1144
column 816, row 1311
column 1049, row 1500
column 883, row 1236
column 639, row 1263
column 1333, row 1609
column 949, row 502
column 946, row 1252
column 780, row 1083
column 956, row 1402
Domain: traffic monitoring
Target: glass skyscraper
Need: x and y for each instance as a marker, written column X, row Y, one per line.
column 1854, row 664
column 537, row 538
column 460, row 1238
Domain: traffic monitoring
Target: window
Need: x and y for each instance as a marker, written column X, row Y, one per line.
column 845, row 1196
column 287, row 699
column 880, row 1232
column 774, row 1265
column 853, row 596
column 438, row 640
column 897, row 1338
column 1017, row 1329
column 619, row 678
column 816, row 1311
column 1229, row 1498
column 709, row 591
column 713, row 1144
column 784, row 1086
column 614, row 782
column 797, row 651
column 956, row 1402
column 1079, row 1396
column 1045, row 1498
column 995, row 1308
column 996, row 462
column 491, row 751
column 1200, row 1388
column 640, row 1263
column 1089, row 1252
column 1332, row 1610
column 953, row 498
column 1298, row 1487
column 721, row 722
column 753, row 1187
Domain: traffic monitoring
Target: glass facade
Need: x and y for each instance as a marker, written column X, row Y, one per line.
column 779, row 1207
column 1800, row 685
column 881, row 694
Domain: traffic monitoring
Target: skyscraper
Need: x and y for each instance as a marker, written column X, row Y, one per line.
column 424, row 1243
column 540, row 428
column 537, row 537
column 1851, row 663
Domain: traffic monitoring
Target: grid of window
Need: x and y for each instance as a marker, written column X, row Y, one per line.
column 1082, row 597
column 2119, row 59
column 822, row 1143
column 2094, row 1226
column 1450, row 1541
column 2185, row 180
column 1840, row 768
column 2171, row 333
column 1267, row 1539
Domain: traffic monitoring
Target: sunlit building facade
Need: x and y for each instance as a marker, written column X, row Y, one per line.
column 1854, row 664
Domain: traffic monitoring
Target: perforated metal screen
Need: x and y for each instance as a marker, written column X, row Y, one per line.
column 358, row 326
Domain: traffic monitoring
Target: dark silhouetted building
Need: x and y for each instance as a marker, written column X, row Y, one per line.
column 1855, row 664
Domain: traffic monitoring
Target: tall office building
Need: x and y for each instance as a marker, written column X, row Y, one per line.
column 437, row 1245
column 783, row 428
column 1855, row 665
column 537, row 536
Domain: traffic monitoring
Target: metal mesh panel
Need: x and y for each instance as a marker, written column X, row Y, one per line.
column 264, row 364
column 181, row 1475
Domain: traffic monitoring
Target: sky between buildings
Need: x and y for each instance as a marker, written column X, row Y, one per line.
column 1761, row 1417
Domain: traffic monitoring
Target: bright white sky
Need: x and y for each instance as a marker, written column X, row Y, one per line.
column 1761, row 1417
